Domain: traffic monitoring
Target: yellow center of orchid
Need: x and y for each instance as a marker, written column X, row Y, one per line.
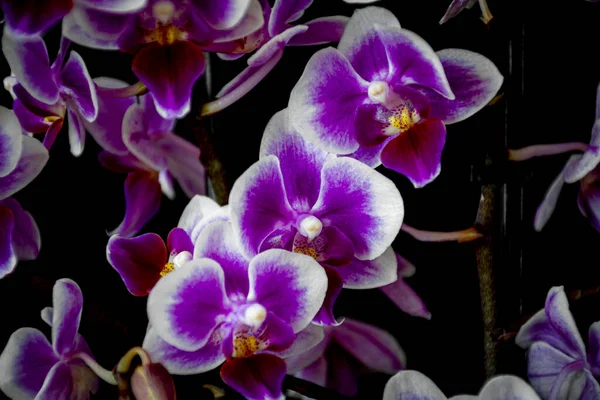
column 166, row 269
column 165, row 34
column 51, row 119
column 404, row 120
column 307, row 250
column 245, row 346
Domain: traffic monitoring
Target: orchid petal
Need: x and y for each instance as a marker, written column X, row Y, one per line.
column 258, row 377
column 368, row 274
column 116, row 6
column 34, row 157
column 223, row 14
column 200, row 212
column 67, row 302
column 305, row 340
column 26, row 241
column 411, row 385
column 32, row 17
column 79, row 87
column 588, row 161
column 544, row 365
column 186, row 305
column 8, row 258
column 58, row 384
column 320, row 31
column 139, row 261
column 455, row 8
column 10, row 141
column 406, row 299
column 594, row 348
column 72, row 29
column 284, row 12
column 506, row 387
column 325, row 315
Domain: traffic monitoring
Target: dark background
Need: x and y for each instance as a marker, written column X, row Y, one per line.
column 547, row 55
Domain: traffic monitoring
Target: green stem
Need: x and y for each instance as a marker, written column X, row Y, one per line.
column 104, row 374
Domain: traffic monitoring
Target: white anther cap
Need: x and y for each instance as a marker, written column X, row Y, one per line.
column 310, row 227
column 255, row 315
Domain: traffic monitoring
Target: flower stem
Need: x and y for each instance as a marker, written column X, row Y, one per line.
column 106, row 375
column 125, row 362
column 540, row 150
column 137, row 89
column 463, row 236
column 486, row 15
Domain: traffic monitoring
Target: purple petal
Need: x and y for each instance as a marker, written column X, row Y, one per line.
column 26, row 239
column 284, row 12
column 370, row 274
column 290, row 285
column 506, row 387
column 474, row 80
column 320, row 31
column 370, row 156
column 257, row 377
column 31, row 122
column 76, row 133
column 58, row 383
column 28, row 60
column 10, row 141
column 179, row 241
column 78, row 86
column 181, row 362
column 361, row 203
column 32, row 17
column 406, row 299
column 594, row 348
column 277, row 333
column 279, row 239
column 186, row 305
column 325, row 315
column 553, row 325
column 305, row 340
column 249, row 30
column 72, row 28
column 323, row 102
column 52, row 133
column 8, row 258
column 300, row 161
column 25, row 363
column 34, row 157
column 170, row 73
column 98, row 25
column 183, row 162
column 67, row 302
column 223, row 14
column 138, row 260
column 218, row 243
column 571, row 382
column 417, row 153
column 258, row 204
column 116, row 6
column 121, row 163
column 142, row 201
column 316, row 372
column 546, row 207
column 303, row 360
column 544, row 365
column 139, row 141
column 106, row 128
column 199, row 212
column 588, row 161
column 456, row 7
column 374, row 347
column 411, row 385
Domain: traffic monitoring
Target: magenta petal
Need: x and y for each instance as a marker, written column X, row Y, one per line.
column 304, row 341
column 370, row 274
column 594, row 348
column 139, row 261
column 373, row 347
column 26, row 239
column 200, row 212
column 52, row 133
column 30, row 122
column 8, row 258
column 456, row 7
column 277, row 333
column 116, row 6
column 257, row 377
column 179, row 241
column 406, row 299
column 181, row 362
column 417, row 153
column 67, row 302
column 58, row 384
column 28, row 60
column 370, row 156
column 259, row 204
column 474, row 80
column 72, row 29
column 544, row 365
column 25, row 363
column 364, row 20
column 325, row 314
column 170, row 73
column 183, row 161
column 10, row 141
column 120, row 163
column 78, row 86
column 323, row 102
column 33, row 17
column 285, row 11
column 34, row 157
column 142, row 201
column 224, row 13
column 320, row 31
column 186, row 306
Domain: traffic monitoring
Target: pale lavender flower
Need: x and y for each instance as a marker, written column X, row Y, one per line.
column 558, row 366
column 31, row 367
column 384, row 96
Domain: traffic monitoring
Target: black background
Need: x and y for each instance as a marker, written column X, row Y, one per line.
column 546, row 51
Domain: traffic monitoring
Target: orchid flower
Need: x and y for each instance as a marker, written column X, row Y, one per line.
column 347, row 351
column 31, row 367
column 151, row 154
column 19, row 236
column 76, row 93
column 143, row 260
column 384, row 96
column 22, row 158
column 414, row 385
column 271, row 40
column 558, row 367
column 337, row 210
column 221, row 307
column 167, row 38
column 458, row 5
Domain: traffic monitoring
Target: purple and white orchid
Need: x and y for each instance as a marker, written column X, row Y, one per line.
column 347, row 351
column 31, row 367
column 414, row 385
column 384, row 96
column 143, row 260
column 222, row 307
column 37, row 110
column 19, row 236
column 150, row 153
column 339, row 211
column 558, row 366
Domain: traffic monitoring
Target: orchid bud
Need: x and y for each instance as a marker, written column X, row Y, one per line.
column 152, row 381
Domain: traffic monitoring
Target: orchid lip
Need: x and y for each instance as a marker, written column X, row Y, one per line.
column 310, row 226
column 378, row 91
